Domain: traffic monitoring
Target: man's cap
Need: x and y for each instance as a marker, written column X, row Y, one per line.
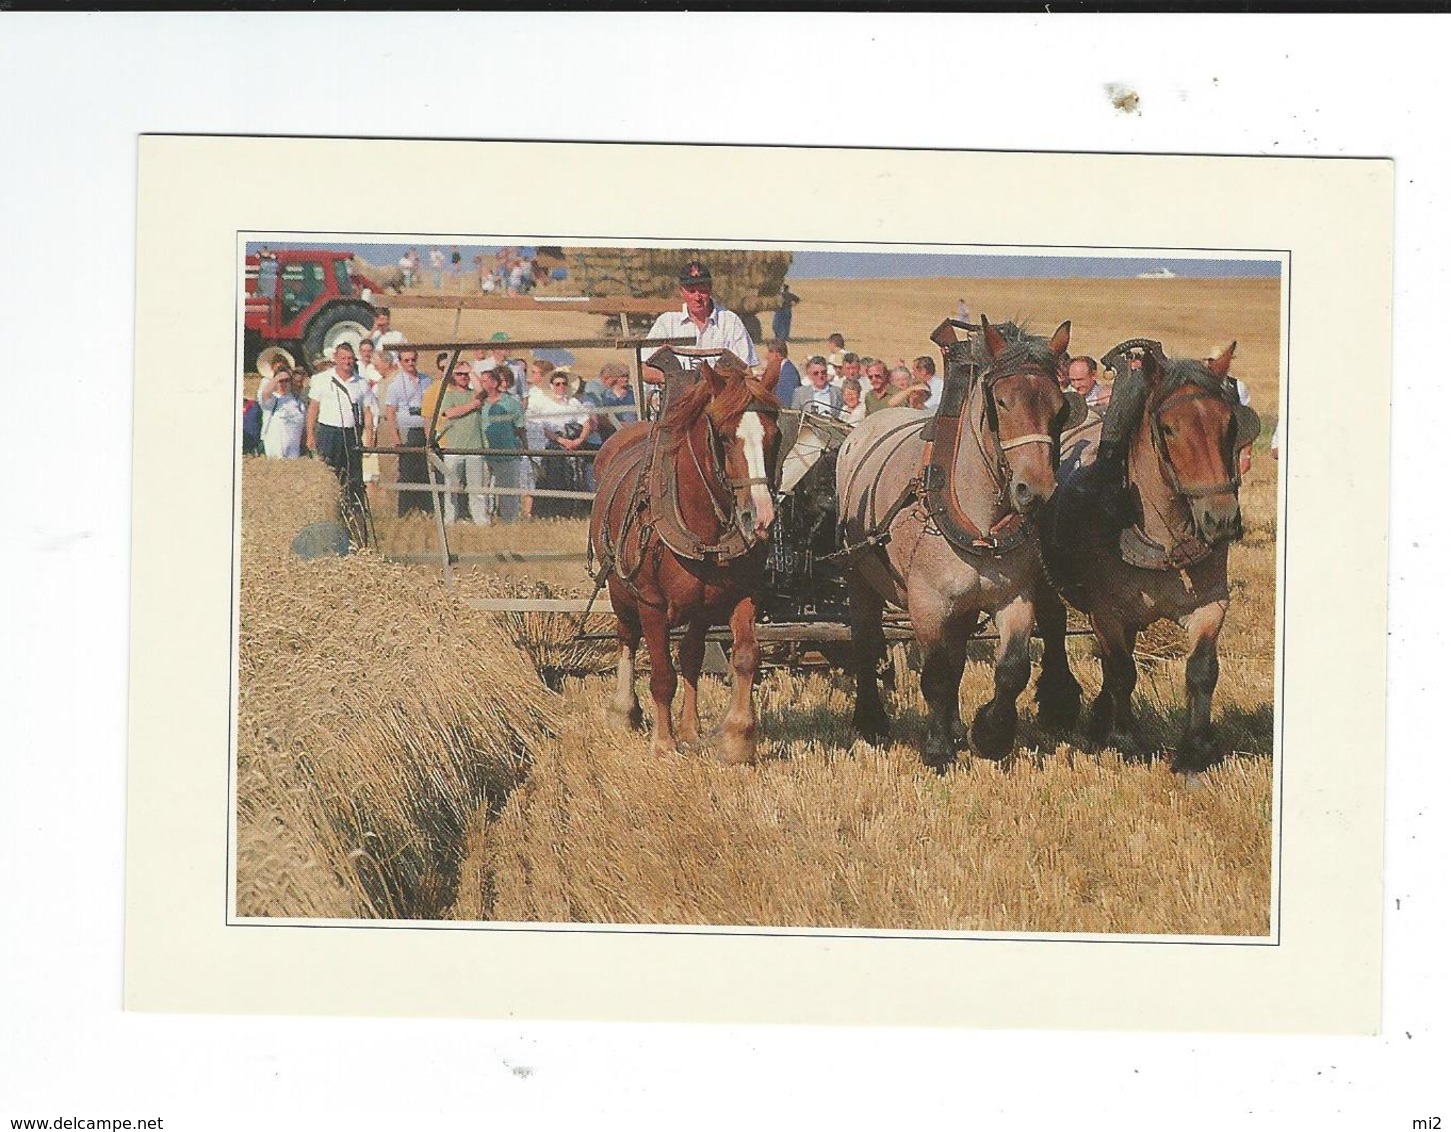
column 694, row 272
column 498, row 336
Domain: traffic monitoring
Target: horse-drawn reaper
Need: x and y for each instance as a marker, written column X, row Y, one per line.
column 936, row 515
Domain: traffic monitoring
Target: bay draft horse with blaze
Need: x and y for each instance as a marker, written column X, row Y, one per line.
column 679, row 525
column 943, row 533
column 1182, row 471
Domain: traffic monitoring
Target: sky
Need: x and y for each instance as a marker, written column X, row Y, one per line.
column 857, row 264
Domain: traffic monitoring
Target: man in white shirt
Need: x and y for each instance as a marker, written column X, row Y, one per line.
column 340, row 420
column 1083, row 379
column 924, row 369
column 702, row 318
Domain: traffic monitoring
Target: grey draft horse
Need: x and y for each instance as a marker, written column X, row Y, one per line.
column 910, row 548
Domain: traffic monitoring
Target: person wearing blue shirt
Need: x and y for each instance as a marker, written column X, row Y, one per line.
column 788, row 378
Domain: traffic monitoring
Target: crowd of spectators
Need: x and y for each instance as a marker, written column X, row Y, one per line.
column 501, row 421
column 850, row 386
column 507, row 272
column 508, row 424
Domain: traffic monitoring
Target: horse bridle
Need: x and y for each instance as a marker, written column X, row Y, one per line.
column 1191, row 392
column 990, row 412
column 718, row 465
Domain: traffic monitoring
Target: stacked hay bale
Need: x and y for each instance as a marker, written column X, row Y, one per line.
column 747, row 282
column 376, row 716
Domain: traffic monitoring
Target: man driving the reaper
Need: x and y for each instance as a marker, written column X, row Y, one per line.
column 699, row 317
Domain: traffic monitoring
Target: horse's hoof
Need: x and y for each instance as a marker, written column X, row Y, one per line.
column 632, row 719
column 1191, row 782
column 1059, row 712
column 992, row 740
column 736, row 751
column 1196, row 752
column 939, row 759
column 664, row 750
column 875, row 729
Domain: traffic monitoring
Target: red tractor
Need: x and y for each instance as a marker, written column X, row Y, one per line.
column 305, row 301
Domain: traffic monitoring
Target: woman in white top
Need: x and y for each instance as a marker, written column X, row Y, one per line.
column 536, row 399
column 554, row 419
column 283, row 416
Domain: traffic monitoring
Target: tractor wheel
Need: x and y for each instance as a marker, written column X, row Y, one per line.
column 341, row 322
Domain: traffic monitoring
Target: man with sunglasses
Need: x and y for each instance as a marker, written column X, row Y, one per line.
column 461, row 437
column 403, row 410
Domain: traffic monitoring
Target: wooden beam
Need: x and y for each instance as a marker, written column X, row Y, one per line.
column 537, row 604
column 543, row 344
column 431, row 559
column 537, row 492
column 606, row 305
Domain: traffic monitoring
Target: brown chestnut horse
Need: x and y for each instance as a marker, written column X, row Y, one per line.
column 1183, row 479
column 913, row 553
column 679, row 524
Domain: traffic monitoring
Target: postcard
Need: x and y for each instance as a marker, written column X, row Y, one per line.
column 982, row 498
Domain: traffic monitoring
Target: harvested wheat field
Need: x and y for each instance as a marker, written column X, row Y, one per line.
column 400, row 755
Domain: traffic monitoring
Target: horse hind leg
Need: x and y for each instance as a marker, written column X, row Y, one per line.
column 1113, row 709
column 1198, row 749
column 625, row 705
column 692, row 659
column 1058, row 694
column 662, row 680
column 869, row 644
column 996, row 723
column 738, row 729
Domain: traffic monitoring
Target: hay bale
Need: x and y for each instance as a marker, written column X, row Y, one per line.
column 739, row 275
column 376, row 715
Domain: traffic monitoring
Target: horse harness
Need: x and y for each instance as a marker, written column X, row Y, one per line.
column 933, row 486
column 653, row 511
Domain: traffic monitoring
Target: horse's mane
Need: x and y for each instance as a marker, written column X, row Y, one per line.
column 1179, row 372
column 741, row 391
column 1024, row 350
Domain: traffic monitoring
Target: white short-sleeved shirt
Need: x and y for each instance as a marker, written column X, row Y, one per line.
column 934, row 398
column 283, row 418
column 723, row 330
column 335, row 397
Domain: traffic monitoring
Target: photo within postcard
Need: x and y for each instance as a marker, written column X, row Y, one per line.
column 790, row 588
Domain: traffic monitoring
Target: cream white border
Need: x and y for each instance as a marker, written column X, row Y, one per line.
column 195, row 194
